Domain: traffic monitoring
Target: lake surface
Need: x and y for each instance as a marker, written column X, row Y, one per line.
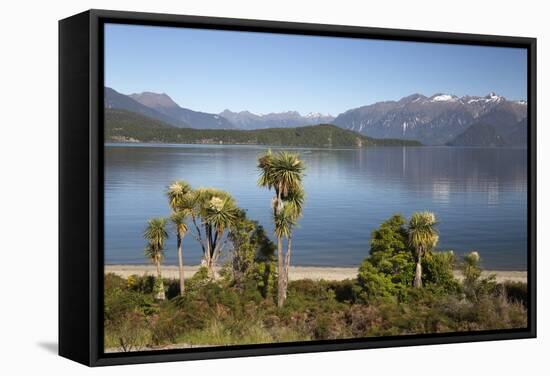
column 479, row 196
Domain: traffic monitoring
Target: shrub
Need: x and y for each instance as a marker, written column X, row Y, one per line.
column 390, row 265
column 143, row 284
column 474, row 286
column 344, row 291
column 170, row 323
column 112, row 281
column 129, row 332
column 361, row 319
column 390, row 253
column 437, row 268
column 252, row 256
column 198, row 280
column 172, row 287
column 265, row 275
column 516, row 292
column 373, row 284
column 310, row 295
column 117, row 302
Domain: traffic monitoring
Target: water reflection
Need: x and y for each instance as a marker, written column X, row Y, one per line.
column 478, row 194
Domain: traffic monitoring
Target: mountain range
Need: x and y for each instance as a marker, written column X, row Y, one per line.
column 289, row 119
column 165, row 105
column 436, row 120
column 442, row 119
column 126, row 126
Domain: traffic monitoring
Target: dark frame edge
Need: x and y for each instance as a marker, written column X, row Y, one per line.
column 96, row 197
column 288, row 27
column 532, row 184
column 229, row 352
column 74, row 288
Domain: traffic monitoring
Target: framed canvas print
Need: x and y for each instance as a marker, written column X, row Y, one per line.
column 240, row 187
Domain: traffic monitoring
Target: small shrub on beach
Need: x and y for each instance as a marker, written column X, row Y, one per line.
column 475, row 287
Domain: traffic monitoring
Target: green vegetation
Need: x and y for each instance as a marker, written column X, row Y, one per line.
column 125, row 126
column 404, row 286
column 217, row 212
column 240, row 307
column 180, row 200
column 423, row 238
column 283, row 172
column 156, row 235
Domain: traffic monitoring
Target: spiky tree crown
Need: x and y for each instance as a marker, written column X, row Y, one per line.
column 422, row 231
column 156, row 235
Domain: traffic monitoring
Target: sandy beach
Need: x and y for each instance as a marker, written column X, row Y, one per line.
column 296, row 272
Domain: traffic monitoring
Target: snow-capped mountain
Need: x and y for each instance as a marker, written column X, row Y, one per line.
column 289, row 119
column 434, row 120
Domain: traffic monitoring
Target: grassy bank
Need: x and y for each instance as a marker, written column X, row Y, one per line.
column 218, row 313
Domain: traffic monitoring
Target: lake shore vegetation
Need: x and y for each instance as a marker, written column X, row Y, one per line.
column 404, row 285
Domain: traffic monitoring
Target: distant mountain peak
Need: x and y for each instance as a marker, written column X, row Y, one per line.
column 442, row 97
column 435, row 120
column 314, row 115
column 286, row 119
column 413, row 98
column 492, row 96
column 150, row 99
column 114, row 99
column 162, row 107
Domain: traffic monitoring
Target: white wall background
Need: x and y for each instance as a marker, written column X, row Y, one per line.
column 28, row 185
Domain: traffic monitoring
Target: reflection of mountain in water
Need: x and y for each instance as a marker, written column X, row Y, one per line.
column 439, row 169
column 479, row 196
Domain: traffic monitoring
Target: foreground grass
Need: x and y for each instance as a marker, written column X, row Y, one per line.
column 218, row 333
column 214, row 314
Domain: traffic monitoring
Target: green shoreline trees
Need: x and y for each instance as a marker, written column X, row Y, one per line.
column 423, row 237
column 218, row 220
column 217, row 211
column 283, row 172
column 403, row 286
column 240, row 307
column 181, row 203
column 156, row 235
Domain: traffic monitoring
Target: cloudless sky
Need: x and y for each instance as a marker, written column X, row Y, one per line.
column 211, row 70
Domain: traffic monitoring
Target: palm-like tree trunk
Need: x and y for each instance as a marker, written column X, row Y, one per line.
column 281, row 293
column 160, row 293
column 280, row 280
column 286, row 267
column 213, row 245
column 418, row 271
column 180, row 261
column 208, row 252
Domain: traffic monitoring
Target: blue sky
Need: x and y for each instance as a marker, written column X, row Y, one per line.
column 209, row 70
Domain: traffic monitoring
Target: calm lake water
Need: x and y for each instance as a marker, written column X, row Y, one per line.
column 479, row 196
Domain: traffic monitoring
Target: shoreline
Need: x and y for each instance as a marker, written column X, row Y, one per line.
column 329, row 273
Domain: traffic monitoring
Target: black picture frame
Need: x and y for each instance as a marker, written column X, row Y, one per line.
column 81, row 185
